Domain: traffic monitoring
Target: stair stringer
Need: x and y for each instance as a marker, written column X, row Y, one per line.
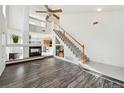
column 68, row 54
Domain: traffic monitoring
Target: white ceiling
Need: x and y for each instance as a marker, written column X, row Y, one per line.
column 74, row 9
column 34, row 8
column 88, row 8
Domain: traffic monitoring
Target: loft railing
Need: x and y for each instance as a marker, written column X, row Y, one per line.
column 74, row 40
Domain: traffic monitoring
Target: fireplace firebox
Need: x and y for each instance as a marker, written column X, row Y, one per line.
column 35, row 51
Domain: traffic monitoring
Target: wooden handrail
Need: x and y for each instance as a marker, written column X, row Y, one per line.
column 81, row 45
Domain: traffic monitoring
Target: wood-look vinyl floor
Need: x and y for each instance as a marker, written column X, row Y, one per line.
column 52, row 73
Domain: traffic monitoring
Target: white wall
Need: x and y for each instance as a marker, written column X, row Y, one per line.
column 104, row 41
column 25, row 18
column 2, row 41
column 18, row 21
column 15, row 17
column 35, row 28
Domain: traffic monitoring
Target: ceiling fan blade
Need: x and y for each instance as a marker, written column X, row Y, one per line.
column 52, row 10
column 46, row 6
column 41, row 11
column 48, row 9
column 57, row 11
column 56, row 16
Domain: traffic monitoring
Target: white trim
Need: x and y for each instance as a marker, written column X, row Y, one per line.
column 22, row 45
column 26, row 59
column 88, row 67
column 3, row 67
column 67, row 60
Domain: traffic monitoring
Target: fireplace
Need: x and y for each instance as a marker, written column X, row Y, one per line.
column 13, row 56
column 35, row 51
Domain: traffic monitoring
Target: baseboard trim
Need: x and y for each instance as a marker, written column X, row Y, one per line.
column 67, row 60
column 27, row 60
column 3, row 67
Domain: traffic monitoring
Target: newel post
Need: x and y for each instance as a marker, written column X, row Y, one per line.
column 83, row 55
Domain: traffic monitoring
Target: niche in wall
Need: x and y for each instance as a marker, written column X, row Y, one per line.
column 47, row 43
column 60, row 50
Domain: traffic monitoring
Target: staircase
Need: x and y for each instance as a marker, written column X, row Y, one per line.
column 71, row 45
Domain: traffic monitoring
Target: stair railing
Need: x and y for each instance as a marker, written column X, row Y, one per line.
column 70, row 36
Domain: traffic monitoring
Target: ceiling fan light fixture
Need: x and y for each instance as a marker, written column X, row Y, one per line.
column 99, row 9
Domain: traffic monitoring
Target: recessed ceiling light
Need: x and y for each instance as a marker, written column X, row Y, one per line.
column 99, row 9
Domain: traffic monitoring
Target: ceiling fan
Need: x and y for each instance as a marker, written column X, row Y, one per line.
column 50, row 12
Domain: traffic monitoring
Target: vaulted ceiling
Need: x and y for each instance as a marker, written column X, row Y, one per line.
column 74, row 9
column 88, row 8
